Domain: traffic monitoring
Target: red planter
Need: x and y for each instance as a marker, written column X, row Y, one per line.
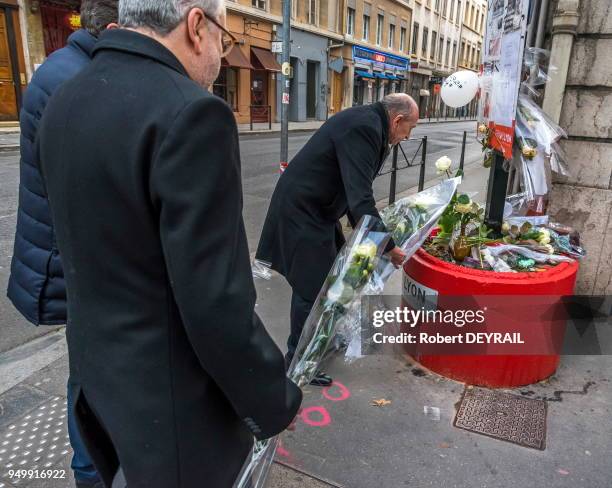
column 452, row 280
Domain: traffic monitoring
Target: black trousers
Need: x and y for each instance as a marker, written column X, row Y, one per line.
column 300, row 309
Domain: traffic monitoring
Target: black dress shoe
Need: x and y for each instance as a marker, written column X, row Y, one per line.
column 321, row 379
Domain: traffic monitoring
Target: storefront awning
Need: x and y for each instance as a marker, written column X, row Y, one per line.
column 363, row 74
column 390, row 76
column 266, row 59
column 378, row 74
column 236, row 59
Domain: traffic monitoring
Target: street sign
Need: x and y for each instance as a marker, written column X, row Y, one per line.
column 277, row 47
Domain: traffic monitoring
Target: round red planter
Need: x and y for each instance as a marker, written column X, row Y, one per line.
column 452, row 280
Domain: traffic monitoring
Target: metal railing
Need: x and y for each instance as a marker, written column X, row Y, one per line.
column 409, row 164
column 422, row 148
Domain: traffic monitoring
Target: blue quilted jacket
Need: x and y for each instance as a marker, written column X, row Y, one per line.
column 36, row 285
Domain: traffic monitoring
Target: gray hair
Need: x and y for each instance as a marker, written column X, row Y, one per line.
column 399, row 104
column 162, row 16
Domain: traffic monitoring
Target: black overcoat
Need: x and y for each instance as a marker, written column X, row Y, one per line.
column 331, row 176
column 173, row 371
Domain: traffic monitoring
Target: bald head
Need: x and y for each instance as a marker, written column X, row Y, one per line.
column 403, row 116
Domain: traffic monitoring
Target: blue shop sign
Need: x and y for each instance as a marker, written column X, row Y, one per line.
column 388, row 60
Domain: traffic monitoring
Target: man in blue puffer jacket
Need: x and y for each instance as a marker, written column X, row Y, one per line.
column 36, row 285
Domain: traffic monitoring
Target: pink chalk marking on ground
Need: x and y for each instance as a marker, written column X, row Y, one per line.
column 343, row 390
column 322, row 411
column 281, row 451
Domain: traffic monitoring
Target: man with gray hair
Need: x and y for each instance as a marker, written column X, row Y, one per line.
column 173, row 374
column 329, row 178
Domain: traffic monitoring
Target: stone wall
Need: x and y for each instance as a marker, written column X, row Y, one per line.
column 34, row 34
column 584, row 200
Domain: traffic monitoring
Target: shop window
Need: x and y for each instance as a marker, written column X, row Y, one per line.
column 226, row 86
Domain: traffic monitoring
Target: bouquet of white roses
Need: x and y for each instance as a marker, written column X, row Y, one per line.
column 359, row 268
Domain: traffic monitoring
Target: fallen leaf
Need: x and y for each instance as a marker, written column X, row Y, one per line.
column 381, row 403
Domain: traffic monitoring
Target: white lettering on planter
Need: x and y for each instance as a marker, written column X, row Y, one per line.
column 418, row 296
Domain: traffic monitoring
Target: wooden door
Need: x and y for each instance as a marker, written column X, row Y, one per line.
column 259, row 96
column 8, row 98
column 338, row 88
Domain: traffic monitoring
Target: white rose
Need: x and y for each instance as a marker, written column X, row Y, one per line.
column 443, row 164
column 367, row 249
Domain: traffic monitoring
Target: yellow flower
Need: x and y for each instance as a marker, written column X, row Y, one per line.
column 464, row 208
column 482, row 129
column 544, row 237
column 529, row 152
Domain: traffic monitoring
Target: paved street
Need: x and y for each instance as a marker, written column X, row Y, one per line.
column 361, row 446
column 260, row 156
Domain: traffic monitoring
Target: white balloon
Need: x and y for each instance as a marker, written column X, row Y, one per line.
column 459, row 88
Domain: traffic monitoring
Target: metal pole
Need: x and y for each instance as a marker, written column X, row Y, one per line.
column 286, row 57
column 393, row 182
column 422, row 170
column 462, row 160
column 496, row 194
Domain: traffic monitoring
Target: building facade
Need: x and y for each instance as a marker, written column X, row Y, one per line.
column 374, row 52
column 436, row 37
column 579, row 97
column 472, row 36
column 343, row 52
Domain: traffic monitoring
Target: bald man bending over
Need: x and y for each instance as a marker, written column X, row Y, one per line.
column 329, row 178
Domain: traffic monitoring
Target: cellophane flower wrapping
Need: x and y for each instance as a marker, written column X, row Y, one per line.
column 359, row 268
column 410, row 221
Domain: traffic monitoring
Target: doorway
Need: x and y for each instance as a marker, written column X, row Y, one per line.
column 58, row 23
column 10, row 75
column 259, row 95
column 311, row 89
column 337, row 92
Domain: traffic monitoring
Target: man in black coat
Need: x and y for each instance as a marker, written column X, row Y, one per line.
column 329, row 178
column 173, row 373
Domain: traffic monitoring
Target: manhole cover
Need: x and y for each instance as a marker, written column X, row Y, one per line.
column 503, row 416
column 38, row 441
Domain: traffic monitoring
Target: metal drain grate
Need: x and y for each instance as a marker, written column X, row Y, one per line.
column 503, row 416
column 38, row 441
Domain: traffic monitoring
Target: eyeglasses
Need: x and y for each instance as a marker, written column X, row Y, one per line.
column 227, row 38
